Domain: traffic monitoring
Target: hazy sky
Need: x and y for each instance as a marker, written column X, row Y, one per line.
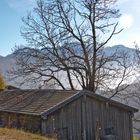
column 11, row 12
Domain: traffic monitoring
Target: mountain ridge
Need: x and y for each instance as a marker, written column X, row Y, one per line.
column 8, row 62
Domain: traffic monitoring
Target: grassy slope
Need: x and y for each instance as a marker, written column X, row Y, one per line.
column 136, row 138
column 13, row 134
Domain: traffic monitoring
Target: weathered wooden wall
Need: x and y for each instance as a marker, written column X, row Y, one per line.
column 21, row 121
column 108, row 116
column 66, row 122
column 78, row 120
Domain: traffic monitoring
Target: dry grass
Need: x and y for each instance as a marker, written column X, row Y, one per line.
column 13, row 134
column 136, row 138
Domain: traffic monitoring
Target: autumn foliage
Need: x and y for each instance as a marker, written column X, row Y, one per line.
column 2, row 83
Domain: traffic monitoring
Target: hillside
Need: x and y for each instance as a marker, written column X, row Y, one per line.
column 13, row 134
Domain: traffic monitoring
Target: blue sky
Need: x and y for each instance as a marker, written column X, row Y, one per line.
column 11, row 12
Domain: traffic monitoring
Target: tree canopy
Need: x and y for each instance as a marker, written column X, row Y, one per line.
column 65, row 45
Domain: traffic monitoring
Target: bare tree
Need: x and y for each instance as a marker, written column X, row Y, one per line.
column 132, row 95
column 66, row 40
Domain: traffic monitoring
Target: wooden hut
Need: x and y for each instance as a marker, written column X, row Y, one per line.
column 72, row 115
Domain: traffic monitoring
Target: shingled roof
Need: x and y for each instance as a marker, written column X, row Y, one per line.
column 43, row 102
column 31, row 101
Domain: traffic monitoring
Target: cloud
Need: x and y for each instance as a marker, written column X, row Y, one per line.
column 21, row 4
column 126, row 21
column 122, row 1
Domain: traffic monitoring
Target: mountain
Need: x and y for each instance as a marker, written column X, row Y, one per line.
column 6, row 64
column 9, row 62
column 119, row 48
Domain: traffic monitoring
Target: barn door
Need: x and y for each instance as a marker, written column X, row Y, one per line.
column 62, row 133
